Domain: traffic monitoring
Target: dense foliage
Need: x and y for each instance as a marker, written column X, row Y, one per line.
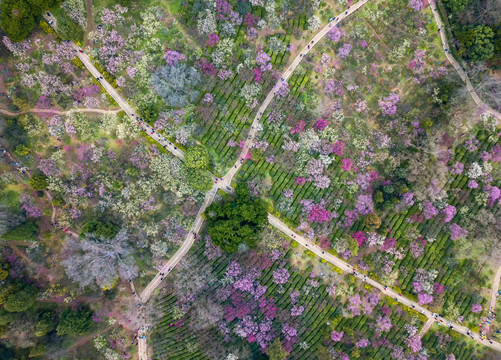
column 236, row 222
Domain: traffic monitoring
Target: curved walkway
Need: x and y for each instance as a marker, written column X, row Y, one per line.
column 224, row 185
column 462, row 74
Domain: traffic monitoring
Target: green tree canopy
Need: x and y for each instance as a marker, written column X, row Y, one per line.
column 16, row 19
column 456, row 5
column 275, row 351
column 74, row 322
column 196, row 157
column 21, row 300
column 68, row 29
column 45, row 324
column 477, row 42
column 25, row 232
column 39, row 6
column 199, row 179
column 39, row 182
column 102, row 228
column 233, row 223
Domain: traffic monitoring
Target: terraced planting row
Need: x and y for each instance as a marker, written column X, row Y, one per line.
column 175, row 338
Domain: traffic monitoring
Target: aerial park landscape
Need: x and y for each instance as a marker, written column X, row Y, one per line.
column 250, row 179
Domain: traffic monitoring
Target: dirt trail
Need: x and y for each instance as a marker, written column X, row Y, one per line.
column 90, row 21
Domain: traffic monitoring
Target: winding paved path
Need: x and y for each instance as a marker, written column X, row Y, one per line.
column 462, row 74
column 224, row 185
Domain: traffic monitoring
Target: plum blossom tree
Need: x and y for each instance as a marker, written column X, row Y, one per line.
column 362, row 343
column 449, row 211
column 319, row 214
column 388, row 105
column 172, row 57
column 416, row 5
column 429, row 210
column 280, row 276
column 282, row 89
column 320, row 124
column 457, row 232
column 383, row 323
column 212, row 40
column 337, row 336
column 424, row 298
column 476, row 308
column 414, row 343
column 344, row 51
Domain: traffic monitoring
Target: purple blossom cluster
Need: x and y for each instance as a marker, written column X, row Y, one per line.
column 429, row 210
column 263, row 60
column 416, row 5
column 476, row 308
column 172, row 57
column 449, row 211
column 364, row 204
column 388, row 105
column 29, row 206
column 337, row 336
column 282, row 89
column 335, row 34
column 417, row 64
column 344, row 51
column 424, row 298
column 457, row 232
column 212, row 40
column 332, row 86
column 350, row 216
column 288, row 331
column 49, row 167
column 297, row 310
column 281, row 276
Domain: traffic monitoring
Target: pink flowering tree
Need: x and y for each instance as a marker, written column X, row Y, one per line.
column 359, row 237
column 280, row 276
column 337, row 336
column 318, row 214
column 298, row 128
column 362, row 343
column 263, row 60
column 424, row 298
column 212, row 40
column 282, row 89
column 320, row 124
column 338, row 148
column 346, row 164
column 172, row 57
column 388, row 105
column 457, row 232
column 49, row 167
column 429, row 210
column 344, row 51
column 416, row 5
column 414, row 343
column 449, row 211
column 476, row 308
